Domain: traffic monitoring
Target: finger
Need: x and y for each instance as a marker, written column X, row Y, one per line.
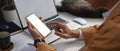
column 58, row 24
column 40, row 18
column 43, row 20
column 56, row 28
column 64, row 25
column 61, row 35
column 29, row 25
column 59, row 31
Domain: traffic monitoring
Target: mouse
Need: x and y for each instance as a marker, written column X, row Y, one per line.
column 80, row 21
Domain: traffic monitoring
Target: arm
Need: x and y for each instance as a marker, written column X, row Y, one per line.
column 41, row 46
column 88, row 32
column 107, row 37
column 63, row 31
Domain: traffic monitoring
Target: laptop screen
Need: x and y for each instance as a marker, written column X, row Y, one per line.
column 43, row 8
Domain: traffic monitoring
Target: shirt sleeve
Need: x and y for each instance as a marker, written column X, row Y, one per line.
column 81, row 36
column 41, row 46
column 87, row 33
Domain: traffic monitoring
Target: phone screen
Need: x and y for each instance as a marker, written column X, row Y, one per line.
column 39, row 25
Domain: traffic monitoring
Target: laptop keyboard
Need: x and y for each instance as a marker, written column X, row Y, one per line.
column 51, row 26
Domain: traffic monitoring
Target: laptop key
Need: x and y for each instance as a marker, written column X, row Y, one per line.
column 51, row 26
column 60, row 20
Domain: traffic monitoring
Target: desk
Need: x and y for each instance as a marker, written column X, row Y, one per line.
column 62, row 44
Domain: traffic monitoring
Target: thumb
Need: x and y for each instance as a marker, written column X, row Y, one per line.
column 62, row 35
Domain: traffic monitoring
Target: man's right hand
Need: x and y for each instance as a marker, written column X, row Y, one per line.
column 63, row 31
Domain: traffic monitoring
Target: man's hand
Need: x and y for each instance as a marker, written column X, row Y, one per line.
column 35, row 34
column 63, row 31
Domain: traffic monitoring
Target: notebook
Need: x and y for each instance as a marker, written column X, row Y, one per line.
column 45, row 9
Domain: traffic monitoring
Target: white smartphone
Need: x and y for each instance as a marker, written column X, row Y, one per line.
column 39, row 25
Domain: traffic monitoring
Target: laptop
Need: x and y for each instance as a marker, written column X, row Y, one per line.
column 45, row 9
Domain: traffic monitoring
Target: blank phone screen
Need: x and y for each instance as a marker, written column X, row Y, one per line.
column 39, row 25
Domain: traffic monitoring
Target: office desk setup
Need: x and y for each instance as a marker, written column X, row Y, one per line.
column 21, row 39
column 46, row 9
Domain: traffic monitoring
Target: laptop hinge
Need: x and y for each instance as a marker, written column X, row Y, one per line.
column 51, row 17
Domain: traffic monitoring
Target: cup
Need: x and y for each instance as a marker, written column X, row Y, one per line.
column 4, row 40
